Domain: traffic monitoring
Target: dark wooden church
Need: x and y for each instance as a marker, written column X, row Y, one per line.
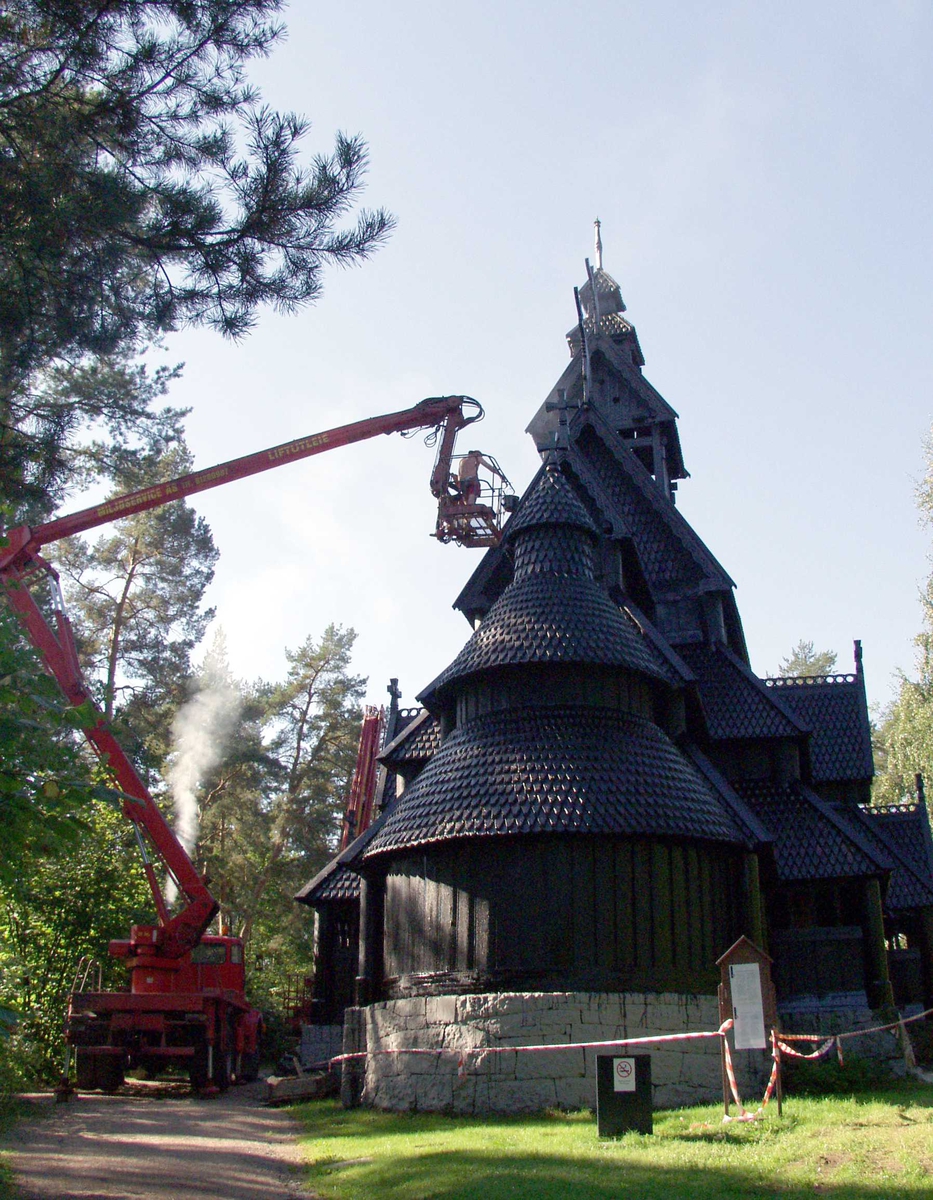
column 599, row 795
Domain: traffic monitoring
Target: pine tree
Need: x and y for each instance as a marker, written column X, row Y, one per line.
column 135, row 593
column 145, row 186
column 804, row 660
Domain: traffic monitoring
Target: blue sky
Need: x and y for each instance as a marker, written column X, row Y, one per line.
column 763, row 175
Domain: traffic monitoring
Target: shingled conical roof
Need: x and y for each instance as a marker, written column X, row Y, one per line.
column 556, row 770
column 550, row 501
column 554, row 611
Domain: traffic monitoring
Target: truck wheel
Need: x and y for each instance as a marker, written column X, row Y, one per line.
column 85, row 1070
column 223, row 1064
column 110, row 1072
column 197, row 1067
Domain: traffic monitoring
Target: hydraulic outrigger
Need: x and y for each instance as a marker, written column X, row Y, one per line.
column 186, row 1001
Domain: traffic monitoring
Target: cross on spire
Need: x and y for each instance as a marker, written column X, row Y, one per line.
column 599, row 244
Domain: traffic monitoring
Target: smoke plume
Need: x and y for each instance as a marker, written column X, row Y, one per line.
column 200, row 734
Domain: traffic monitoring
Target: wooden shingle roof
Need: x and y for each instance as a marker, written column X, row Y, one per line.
column 416, row 743
column 554, row 611
column 552, row 619
column 674, row 559
column 904, row 832
column 811, row 840
column 550, row 500
column 736, row 702
column 334, row 883
column 833, row 707
column 556, row 770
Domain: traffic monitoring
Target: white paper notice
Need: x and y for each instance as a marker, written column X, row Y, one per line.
column 747, row 1007
column 623, row 1074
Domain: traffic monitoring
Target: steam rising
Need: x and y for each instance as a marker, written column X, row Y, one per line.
column 200, row 734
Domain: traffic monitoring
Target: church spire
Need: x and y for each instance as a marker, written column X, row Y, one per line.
column 643, row 421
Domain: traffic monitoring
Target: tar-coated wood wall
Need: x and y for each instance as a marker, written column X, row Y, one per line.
column 565, row 913
column 622, row 691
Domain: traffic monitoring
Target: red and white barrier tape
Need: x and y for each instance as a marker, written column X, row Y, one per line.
column 818, row 1053
column 778, row 1046
column 654, row 1040
column 817, row 1037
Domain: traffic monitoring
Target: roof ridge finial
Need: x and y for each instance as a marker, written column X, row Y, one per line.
column 599, row 243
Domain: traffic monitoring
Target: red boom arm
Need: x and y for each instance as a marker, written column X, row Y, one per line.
column 20, row 560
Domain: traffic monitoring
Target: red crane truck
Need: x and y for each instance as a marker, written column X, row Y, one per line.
column 186, row 1003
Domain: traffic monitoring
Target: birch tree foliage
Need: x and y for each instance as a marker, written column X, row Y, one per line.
column 904, row 738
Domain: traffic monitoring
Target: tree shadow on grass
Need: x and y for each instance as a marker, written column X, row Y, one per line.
column 457, row 1175
column 406, row 1166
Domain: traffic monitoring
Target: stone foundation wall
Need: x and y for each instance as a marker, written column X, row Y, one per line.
column 827, row 1017
column 684, row 1073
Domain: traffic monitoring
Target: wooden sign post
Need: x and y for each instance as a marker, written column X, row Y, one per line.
column 746, row 994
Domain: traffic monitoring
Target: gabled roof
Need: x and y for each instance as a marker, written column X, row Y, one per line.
column 674, row 559
column 907, row 827
column 416, row 743
column 618, row 388
column 397, row 722
column 736, row 702
column 754, row 830
column 333, row 884
column 834, row 708
column 811, row 840
column 556, row 770
column 335, row 881
column 904, row 831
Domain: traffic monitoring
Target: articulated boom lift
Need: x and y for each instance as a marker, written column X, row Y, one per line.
column 187, row 1000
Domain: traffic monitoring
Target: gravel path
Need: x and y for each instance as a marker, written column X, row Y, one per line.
column 155, row 1142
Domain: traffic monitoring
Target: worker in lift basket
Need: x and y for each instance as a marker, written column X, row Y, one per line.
column 468, row 481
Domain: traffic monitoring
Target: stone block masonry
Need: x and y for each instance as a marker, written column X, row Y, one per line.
column 682, row 1073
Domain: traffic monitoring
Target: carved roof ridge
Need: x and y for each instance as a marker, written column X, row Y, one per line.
column 421, row 714
column 876, row 828
column 797, row 681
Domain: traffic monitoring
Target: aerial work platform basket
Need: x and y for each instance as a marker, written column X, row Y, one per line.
column 474, row 506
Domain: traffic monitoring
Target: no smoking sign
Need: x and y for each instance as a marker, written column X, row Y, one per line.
column 623, row 1094
column 623, row 1074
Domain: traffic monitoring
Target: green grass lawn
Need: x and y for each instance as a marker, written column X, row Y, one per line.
column 864, row 1147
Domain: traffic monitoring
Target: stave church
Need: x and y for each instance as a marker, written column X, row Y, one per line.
column 598, row 796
